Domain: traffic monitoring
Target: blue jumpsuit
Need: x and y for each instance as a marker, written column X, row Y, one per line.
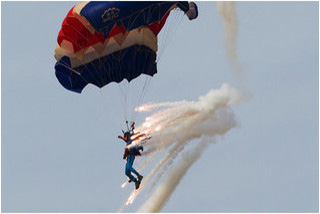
column 129, row 168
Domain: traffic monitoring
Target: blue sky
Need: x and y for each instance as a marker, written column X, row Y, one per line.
column 59, row 149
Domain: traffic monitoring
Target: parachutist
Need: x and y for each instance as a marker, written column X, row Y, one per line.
column 130, row 153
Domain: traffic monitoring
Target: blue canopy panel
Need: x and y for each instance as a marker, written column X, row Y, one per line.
column 104, row 15
column 126, row 64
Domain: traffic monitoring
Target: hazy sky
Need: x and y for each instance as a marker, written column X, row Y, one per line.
column 59, row 149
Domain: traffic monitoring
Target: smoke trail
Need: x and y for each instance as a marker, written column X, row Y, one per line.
column 156, row 202
column 179, row 132
column 227, row 10
column 228, row 13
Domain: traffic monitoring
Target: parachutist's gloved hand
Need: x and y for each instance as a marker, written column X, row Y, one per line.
column 132, row 124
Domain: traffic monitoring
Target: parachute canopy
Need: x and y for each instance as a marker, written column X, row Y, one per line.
column 104, row 42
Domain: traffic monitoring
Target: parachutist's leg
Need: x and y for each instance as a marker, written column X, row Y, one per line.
column 128, row 173
column 134, row 171
column 129, row 168
column 130, row 161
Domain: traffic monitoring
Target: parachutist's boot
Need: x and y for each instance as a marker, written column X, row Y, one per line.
column 140, row 178
column 192, row 13
column 129, row 180
column 137, row 184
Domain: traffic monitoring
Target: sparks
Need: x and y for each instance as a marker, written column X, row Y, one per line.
column 140, row 109
column 158, row 128
column 124, row 185
column 131, row 198
column 147, row 124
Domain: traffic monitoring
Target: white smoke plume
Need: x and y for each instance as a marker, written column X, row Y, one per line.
column 161, row 195
column 228, row 13
column 180, row 132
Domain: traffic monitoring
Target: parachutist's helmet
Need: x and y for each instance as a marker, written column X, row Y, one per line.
column 127, row 135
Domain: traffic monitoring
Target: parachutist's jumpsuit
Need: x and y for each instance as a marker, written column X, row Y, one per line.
column 129, row 168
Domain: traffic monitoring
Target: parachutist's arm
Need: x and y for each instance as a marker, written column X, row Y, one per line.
column 120, row 137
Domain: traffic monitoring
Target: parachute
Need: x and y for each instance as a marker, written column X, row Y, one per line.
column 104, row 42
